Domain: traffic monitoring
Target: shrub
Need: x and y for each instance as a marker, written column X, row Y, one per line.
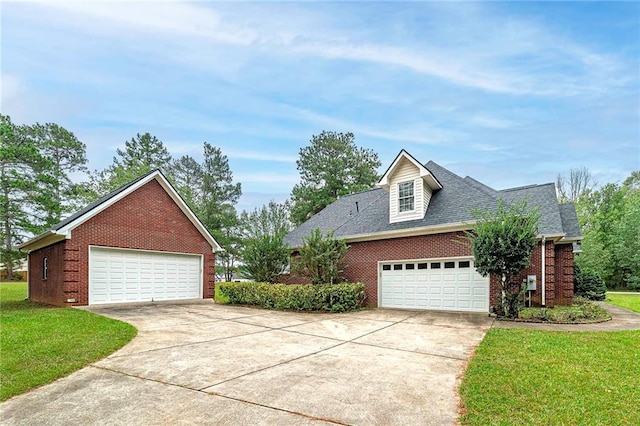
column 588, row 284
column 582, row 310
column 265, row 258
column 321, row 258
column 300, row 297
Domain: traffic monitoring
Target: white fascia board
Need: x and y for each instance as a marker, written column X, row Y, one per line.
column 170, row 190
column 108, row 203
column 411, row 232
column 424, row 173
column 43, row 240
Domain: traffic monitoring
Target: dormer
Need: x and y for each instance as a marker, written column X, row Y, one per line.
column 410, row 186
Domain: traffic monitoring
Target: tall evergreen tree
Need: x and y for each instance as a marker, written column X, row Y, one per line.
column 23, row 174
column 332, row 166
column 186, row 175
column 140, row 155
column 65, row 155
column 217, row 212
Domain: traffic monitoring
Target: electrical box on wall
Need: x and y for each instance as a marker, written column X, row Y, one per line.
column 531, row 282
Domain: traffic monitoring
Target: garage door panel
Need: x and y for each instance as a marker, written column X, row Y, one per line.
column 117, row 275
column 449, row 284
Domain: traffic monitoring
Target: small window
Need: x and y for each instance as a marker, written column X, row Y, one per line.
column 449, row 265
column 397, row 267
column 435, row 265
column 464, row 264
column 44, row 268
column 386, row 267
column 422, row 265
column 405, row 197
column 410, row 266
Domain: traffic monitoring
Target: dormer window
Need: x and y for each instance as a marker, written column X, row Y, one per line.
column 406, row 199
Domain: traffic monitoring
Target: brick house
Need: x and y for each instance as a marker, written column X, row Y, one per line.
column 404, row 239
column 139, row 243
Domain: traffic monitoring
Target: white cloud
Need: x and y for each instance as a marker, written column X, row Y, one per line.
column 267, row 177
column 494, row 54
column 491, row 122
column 260, row 156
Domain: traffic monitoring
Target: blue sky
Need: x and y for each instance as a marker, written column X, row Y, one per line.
column 510, row 93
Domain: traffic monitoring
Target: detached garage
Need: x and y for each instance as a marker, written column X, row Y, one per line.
column 140, row 243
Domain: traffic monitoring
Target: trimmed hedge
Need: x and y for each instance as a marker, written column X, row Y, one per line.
column 299, row 297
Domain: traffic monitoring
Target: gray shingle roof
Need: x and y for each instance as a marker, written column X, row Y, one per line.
column 98, row 202
column 368, row 212
column 569, row 219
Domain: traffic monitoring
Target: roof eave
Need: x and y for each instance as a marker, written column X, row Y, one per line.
column 43, row 240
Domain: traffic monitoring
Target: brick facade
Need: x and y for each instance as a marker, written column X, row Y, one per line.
column 146, row 219
column 361, row 264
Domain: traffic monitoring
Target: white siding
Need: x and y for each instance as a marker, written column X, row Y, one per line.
column 426, row 197
column 406, row 172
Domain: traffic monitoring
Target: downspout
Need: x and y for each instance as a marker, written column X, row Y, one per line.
column 543, row 282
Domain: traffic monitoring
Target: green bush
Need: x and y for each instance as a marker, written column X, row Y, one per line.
column 588, row 284
column 299, row 297
column 582, row 310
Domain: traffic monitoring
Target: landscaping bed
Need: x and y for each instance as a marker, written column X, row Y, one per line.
column 582, row 311
column 42, row 343
column 340, row 297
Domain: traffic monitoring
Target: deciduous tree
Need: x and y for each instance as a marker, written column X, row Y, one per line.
column 502, row 242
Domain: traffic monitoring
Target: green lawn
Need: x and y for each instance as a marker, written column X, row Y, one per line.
column 525, row 377
column 627, row 301
column 218, row 297
column 40, row 344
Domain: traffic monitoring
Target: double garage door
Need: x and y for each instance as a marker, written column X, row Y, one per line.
column 439, row 284
column 117, row 276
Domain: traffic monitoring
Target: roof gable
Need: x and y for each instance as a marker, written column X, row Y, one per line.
column 62, row 230
column 425, row 174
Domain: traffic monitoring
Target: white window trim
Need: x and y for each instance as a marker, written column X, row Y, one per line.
column 45, row 267
column 413, row 189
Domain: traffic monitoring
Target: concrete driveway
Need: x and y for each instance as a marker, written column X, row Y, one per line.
column 202, row 363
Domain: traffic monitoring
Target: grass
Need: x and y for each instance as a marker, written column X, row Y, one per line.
column 627, row 301
column 219, row 298
column 40, row 344
column 524, row 377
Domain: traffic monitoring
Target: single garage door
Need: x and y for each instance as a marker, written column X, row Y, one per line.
column 117, row 275
column 449, row 284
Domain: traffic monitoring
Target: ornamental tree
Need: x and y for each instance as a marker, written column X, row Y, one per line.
column 321, row 258
column 502, row 241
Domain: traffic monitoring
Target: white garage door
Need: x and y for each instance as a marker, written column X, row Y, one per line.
column 117, row 275
column 450, row 285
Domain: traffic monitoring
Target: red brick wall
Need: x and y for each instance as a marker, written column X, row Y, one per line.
column 564, row 274
column 146, row 219
column 361, row 264
column 51, row 290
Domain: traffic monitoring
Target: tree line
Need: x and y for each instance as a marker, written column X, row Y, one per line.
column 44, row 177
